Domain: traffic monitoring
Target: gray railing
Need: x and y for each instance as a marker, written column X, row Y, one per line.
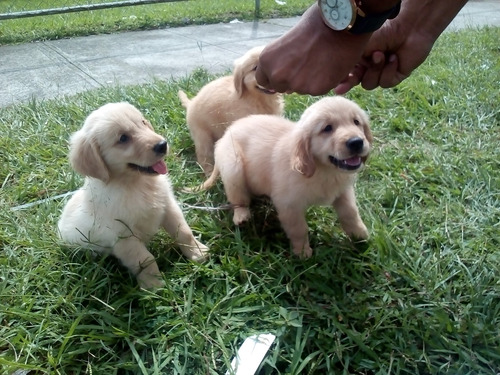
column 78, row 8
column 87, row 7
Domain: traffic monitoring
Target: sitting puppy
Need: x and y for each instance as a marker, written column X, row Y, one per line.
column 126, row 196
column 297, row 165
column 225, row 100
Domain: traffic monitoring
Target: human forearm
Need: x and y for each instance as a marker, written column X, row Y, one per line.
column 429, row 17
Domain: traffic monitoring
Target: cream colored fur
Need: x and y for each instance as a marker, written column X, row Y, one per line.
column 119, row 208
column 293, row 164
column 225, row 100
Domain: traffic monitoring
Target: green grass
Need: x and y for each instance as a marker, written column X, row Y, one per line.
column 422, row 296
column 131, row 18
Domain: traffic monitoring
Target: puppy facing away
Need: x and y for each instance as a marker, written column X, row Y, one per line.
column 225, row 100
column 297, row 165
column 126, row 196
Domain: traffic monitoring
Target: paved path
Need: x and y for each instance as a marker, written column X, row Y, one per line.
column 50, row 69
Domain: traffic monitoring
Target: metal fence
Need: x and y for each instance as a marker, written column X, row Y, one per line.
column 40, row 9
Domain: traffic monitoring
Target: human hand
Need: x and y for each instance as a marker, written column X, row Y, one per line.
column 400, row 45
column 311, row 58
column 390, row 57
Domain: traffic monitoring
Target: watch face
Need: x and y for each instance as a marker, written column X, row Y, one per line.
column 338, row 14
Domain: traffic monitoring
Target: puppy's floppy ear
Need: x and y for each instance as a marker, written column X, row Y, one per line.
column 368, row 132
column 244, row 65
column 85, row 157
column 302, row 158
column 239, row 76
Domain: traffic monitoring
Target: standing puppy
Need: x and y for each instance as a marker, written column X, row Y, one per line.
column 225, row 100
column 126, row 196
column 297, row 165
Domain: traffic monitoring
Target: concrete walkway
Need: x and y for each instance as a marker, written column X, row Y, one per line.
column 45, row 70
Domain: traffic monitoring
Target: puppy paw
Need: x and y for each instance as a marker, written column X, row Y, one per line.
column 198, row 253
column 303, row 252
column 149, row 276
column 150, row 281
column 241, row 214
column 359, row 232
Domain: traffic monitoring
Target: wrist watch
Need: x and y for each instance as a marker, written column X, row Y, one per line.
column 346, row 15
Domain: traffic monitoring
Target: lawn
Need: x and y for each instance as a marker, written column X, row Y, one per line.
column 140, row 17
column 421, row 296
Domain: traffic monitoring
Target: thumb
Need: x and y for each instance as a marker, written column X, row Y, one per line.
column 261, row 77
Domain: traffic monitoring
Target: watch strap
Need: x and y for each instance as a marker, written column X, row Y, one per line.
column 368, row 23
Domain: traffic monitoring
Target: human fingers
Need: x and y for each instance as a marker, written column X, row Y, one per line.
column 298, row 79
column 268, row 74
column 391, row 76
column 261, row 77
column 352, row 79
column 375, row 66
column 346, row 85
column 269, row 83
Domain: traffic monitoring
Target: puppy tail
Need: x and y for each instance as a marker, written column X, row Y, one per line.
column 211, row 180
column 208, row 183
column 184, row 99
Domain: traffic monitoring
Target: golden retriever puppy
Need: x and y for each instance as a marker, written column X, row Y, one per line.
column 126, row 196
column 297, row 165
column 225, row 100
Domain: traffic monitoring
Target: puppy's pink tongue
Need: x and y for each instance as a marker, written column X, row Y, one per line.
column 160, row 167
column 353, row 161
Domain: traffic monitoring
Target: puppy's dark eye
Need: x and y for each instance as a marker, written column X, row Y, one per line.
column 356, row 122
column 327, row 129
column 254, row 68
column 124, row 138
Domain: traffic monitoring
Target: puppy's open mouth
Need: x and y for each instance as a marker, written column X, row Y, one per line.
column 157, row 168
column 349, row 164
column 264, row 90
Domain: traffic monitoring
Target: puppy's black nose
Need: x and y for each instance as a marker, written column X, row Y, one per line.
column 160, row 148
column 355, row 144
